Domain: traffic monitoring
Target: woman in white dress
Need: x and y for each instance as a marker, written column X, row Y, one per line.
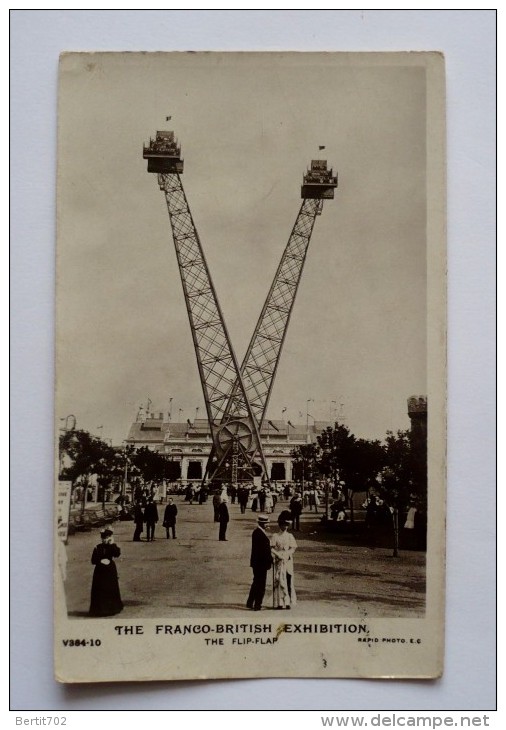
column 283, row 546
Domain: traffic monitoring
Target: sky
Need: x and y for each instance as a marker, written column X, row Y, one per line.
column 249, row 125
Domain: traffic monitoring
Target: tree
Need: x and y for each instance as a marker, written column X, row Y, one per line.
column 82, row 455
column 403, row 480
column 153, row 466
column 368, row 459
column 336, row 461
column 305, row 460
column 344, row 458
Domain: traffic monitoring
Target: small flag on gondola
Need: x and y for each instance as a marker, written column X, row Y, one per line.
column 167, row 119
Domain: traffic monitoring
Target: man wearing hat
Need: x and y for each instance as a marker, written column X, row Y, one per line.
column 261, row 562
column 150, row 518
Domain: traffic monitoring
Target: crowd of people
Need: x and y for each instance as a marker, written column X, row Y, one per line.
column 276, row 553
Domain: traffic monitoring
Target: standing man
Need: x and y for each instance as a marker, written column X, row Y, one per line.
column 150, row 518
column 262, row 495
column 216, row 506
column 243, row 498
column 139, row 521
column 296, row 510
column 223, row 518
column 261, row 562
column 169, row 518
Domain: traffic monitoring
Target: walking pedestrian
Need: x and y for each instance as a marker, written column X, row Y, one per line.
column 216, row 506
column 139, row 522
column 260, row 562
column 150, row 518
column 372, row 518
column 105, row 595
column 223, row 518
column 243, row 496
column 296, row 510
column 262, row 496
column 169, row 518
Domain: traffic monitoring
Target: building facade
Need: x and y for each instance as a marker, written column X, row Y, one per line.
column 189, row 444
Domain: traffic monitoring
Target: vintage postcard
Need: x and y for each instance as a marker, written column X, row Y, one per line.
column 251, row 366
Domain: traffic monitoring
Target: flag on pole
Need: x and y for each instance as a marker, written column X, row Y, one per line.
column 291, row 424
column 273, row 426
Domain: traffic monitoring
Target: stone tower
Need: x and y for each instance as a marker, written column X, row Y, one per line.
column 417, row 412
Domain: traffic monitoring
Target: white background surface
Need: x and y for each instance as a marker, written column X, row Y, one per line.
column 468, row 40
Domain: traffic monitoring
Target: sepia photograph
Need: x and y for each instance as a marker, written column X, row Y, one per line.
column 250, row 401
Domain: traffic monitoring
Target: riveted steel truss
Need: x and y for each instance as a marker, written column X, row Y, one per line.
column 260, row 363
column 236, row 438
column 236, row 399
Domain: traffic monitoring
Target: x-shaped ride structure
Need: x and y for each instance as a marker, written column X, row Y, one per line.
column 236, row 397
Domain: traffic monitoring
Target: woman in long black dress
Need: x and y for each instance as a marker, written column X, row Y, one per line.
column 105, row 595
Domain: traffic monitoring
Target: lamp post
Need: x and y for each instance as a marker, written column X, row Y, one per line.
column 332, row 410
column 124, row 463
column 64, row 429
column 125, row 479
column 309, row 400
column 327, row 453
column 102, row 463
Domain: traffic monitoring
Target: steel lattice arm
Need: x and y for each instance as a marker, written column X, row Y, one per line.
column 216, row 360
column 236, row 400
column 260, row 363
column 215, row 357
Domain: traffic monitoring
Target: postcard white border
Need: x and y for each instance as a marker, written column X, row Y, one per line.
column 466, row 38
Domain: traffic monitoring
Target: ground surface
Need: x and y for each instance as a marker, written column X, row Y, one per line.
column 198, row 576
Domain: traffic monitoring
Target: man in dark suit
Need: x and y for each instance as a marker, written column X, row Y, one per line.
column 223, row 519
column 261, row 562
column 150, row 518
column 169, row 518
